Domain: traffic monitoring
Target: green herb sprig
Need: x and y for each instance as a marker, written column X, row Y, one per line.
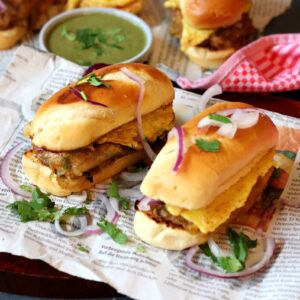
column 240, row 245
column 208, row 145
column 113, row 191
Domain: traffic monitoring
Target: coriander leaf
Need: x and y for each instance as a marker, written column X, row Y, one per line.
column 27, row 188
column 76, row 211
column 208, row 146
column 140, row 249
column 206, row 250
column 86, row 37
column 230, row 264
column 82, row 248
column 70, row 36
column 97, row 81
column 113, row 231
column 219, row 118
column 113, row 192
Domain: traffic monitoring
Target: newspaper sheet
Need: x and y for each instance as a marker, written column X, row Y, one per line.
column 151, row 273
column 166, row 50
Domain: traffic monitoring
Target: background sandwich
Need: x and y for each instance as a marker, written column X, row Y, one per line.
column 211, row 30
column 225, row 166
column 88, row 131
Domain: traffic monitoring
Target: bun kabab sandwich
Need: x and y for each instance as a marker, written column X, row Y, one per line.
column 132, row 6
column 94, row 128
column 211, row 30
column 211, row 169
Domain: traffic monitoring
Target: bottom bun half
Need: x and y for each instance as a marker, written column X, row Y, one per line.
column 208, row 59
column 162, row 236
column 43, row 177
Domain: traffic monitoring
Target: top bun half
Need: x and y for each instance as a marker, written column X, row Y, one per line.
column 65, row 122
column 204, row 175
column 212, row 14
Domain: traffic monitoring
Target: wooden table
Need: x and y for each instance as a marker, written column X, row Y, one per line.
column 35, row 278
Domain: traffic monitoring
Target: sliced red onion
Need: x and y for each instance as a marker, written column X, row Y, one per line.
column 214, row 90
column 134, row 176
column 179, row 133
column 245, row 119
column 78, row 197
column 94, row 68
column 3, row 7
column 77, row 93
column 82, row 221
column 228, row 130
column 130, row 193
column 269, row 250
column 6, row 175
column 141, row 83
column 144, row 203
column 215, row 249
column 231, row 111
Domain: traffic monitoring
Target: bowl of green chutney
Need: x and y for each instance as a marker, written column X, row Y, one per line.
column 87, row 36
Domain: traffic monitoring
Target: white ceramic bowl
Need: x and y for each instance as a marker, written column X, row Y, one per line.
column 140, row 57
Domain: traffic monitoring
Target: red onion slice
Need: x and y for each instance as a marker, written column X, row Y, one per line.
column 82, row 221
column 77, row 93
column 215, row 249
column 179, row 133
column 144, row 203
column 134, row 176
column 93, row 68
column 3, row 7
column 228, row 130
column 269, row 250
column 231, row 111
column 245, row 119
column 141, row 83
column 214, row 90
column 6, row 175
column 78, row 197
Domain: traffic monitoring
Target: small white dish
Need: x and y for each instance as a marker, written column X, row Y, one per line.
column 142, row 56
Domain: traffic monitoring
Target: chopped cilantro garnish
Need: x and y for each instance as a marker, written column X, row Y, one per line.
column 113, row 192
column 240, row 244
column 208, row 146
column 219, row 118
column 40, row 208
column 76, row 211
column 70, row 36
column 82, row 248
column 83, row 95
column 27, row 188
column 140, row 248
column 97, row 81
column 113, row 231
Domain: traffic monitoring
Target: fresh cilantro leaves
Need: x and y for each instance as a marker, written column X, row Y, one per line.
column 97, row 81
column 208, row 146
column 70, row 36
column 40, row 208
column 76, row 211
column 82, row 248
column 113, row 191
column 113, row 231
column 219, row 118
column 240, row 244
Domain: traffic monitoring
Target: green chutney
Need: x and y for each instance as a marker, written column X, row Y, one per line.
column 96, row 38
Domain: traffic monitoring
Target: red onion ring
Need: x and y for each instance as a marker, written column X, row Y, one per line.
column 179, row 133
column 76, row 93
column 269, row 250
column 94, row 67
column 6, row 176
column 3, row 7
column 228, row 112
column 144, row 203
column 141, row 83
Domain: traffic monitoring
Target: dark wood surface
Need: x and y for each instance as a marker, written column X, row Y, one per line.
column 35, row 278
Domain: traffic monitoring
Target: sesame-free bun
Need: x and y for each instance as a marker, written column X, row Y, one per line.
column 43, row 177
column 204, row 175
column 163, row 236
column 65, row 122
column 204, row 14
column 208, row 59
column 9, row 37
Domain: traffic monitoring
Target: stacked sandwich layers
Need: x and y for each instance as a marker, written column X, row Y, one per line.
column 211, row 31
column 210, row 188
column 77, row 144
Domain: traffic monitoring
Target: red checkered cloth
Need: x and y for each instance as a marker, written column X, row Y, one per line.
column 270, row 64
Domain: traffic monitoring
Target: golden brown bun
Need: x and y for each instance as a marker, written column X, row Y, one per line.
column 9, row 37
column 162, row 236
column 204, row 175
column 208, row 59
column 133, row 6
column 65, row 122
column 213, row 13
column 46, row 180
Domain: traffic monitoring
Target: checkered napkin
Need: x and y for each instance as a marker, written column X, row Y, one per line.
column 270, row 64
